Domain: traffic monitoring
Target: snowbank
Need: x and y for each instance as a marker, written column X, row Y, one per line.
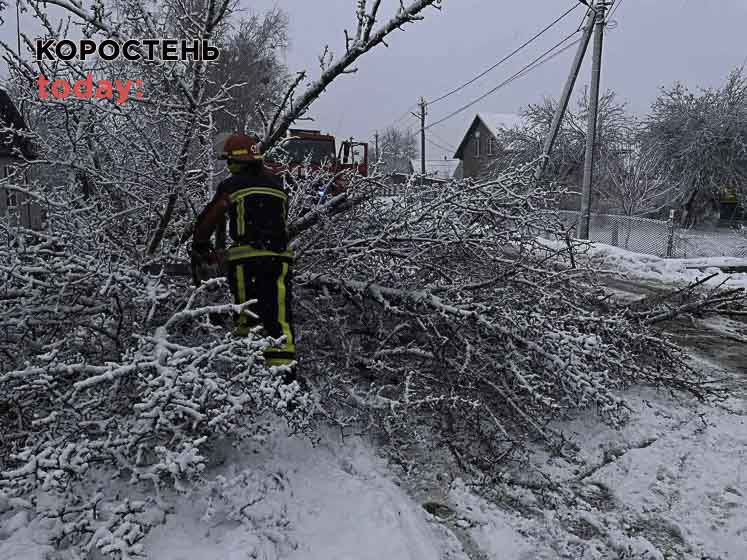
column 669, row 271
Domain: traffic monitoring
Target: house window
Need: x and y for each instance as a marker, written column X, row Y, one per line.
column 491, row 147
column 477, row 144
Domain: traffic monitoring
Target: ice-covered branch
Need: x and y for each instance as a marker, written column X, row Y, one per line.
column 366, row 39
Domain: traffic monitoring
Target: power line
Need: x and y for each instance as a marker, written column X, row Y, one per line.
column 443, row 140
column 536, row 63
column 399, row 119
column 614, row 9
column 583, row 19
column 507, row 57
column 504, row 59
column 437, row 145
column 402, row 117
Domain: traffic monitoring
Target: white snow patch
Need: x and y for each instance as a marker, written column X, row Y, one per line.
column 494, row 530
column 282, row 498
column 334, row 501
column 675, row 473
column 669, row 271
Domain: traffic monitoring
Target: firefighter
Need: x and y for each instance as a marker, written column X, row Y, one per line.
column 258, row 262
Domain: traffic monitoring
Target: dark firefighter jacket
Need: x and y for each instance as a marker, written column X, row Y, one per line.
column 257, row 208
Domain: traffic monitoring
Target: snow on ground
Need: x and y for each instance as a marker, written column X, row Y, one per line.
column 669, row 485
column 334, row 501
column 667, row 271
column 281, row 498
column 728, row 328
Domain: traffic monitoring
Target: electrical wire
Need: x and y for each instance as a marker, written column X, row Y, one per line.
column 614, row 8
column 437, row 145
column 504, row 59
column 583, row 20
column 536, row 63
column 507, row 57
column 407, row 113
column 398, row 120
column 444, row 141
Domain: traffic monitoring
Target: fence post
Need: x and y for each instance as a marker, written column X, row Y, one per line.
column 615, row 233
column 670, row 239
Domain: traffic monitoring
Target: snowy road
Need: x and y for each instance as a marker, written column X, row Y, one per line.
column 721, row 340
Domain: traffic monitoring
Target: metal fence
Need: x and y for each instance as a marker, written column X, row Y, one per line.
column 659, row 237
column 662, row 238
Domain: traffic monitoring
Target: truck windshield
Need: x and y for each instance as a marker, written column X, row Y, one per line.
column 300, row 148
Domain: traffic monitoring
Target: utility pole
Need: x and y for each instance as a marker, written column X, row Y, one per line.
column 565, row 96
column 18, row 27
column 591, row 131
column 376, row 138
column 423, row 109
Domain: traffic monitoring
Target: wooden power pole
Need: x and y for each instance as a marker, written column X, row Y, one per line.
column 591, row 130
column 423, row 109
column 18, row 27
column 565, row 96
column 421, row 116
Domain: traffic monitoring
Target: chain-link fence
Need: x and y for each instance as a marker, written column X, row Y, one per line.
column 641, row 235
column 659, row 237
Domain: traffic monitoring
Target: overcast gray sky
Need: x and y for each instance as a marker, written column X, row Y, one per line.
column 655, row 43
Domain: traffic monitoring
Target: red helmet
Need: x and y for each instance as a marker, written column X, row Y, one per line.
column 240, row 147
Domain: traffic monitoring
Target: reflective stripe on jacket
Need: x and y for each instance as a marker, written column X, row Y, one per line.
column 257, row 207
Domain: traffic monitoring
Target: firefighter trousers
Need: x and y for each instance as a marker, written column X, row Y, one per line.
column 267, row 277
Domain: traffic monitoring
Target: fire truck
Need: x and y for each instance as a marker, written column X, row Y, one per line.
column 311, row 150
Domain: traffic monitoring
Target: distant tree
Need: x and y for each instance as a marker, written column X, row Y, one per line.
column 251, row 66
column 635, row 182
column 703, row 139
column 567, row 158
column 397, row 147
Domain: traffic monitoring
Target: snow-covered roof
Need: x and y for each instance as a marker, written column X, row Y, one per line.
column 437, row 167
column 496, row 122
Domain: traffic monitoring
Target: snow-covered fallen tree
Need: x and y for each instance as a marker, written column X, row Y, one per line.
column 438, row 312
column 435, row 316
column 106, row 371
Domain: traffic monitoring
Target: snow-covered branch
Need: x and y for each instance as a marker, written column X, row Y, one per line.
column 366, row 38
